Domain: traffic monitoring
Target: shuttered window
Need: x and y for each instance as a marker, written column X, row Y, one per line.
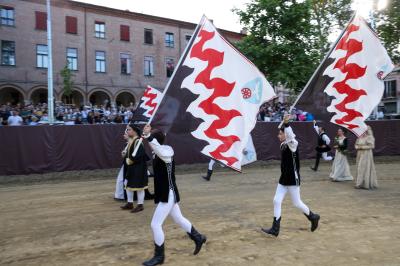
column 124, row 32
column 71, row 24
column 41, row 20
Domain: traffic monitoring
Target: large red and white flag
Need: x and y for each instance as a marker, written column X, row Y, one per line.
column 352, row 76
column 147, row 105
column 217, row 92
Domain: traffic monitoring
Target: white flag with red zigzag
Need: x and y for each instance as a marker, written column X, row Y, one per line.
column 219, row 91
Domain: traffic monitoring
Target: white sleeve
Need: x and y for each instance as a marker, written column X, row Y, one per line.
column 164, row 152
column 291, row 139
column 326, row 139
column 316, row 128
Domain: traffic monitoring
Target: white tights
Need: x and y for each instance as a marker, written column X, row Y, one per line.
column 140, row 196
column 211, row 164
column 326, row 157
column 160, row 214
column 294, row 192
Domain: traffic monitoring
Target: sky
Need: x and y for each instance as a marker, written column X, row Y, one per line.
column 189, row 10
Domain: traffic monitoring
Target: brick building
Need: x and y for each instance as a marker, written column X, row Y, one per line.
column 390, row 104
column 113, row 54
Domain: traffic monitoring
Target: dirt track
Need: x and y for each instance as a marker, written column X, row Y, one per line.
column 78, row 223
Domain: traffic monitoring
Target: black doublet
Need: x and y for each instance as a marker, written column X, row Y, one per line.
column 164, row 179
column 136, row 172
column 290, row 165
column 321, row 143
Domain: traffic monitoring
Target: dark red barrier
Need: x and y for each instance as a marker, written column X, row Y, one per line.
column 39, row 149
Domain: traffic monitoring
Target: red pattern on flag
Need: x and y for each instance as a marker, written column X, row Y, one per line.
column 352, row 71
column 220, row 88
column 150, row 102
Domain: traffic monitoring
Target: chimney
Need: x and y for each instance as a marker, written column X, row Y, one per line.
column 244, row 31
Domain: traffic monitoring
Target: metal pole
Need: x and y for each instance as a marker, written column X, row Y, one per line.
column 50, row 100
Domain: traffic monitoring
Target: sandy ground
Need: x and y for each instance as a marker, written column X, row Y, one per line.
column 78, row 223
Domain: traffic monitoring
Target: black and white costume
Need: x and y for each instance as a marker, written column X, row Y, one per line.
column 289, row 182
column 322, row 147
column 135, row 174
column 166, row 196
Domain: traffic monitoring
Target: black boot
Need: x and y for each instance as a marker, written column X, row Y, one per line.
column 274, row 230
column 208, row 176
column 158, row 257
column 317, row 159
column 148, row 195
column 198, row 239
column 313, row 218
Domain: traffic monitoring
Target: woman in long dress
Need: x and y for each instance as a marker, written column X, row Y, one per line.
column 340, row 167
column 366, row 174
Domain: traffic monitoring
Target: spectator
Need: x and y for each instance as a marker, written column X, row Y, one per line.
column 33, row 121
column 15, row 119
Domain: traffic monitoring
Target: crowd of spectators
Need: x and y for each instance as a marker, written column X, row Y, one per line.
column 274, row 112
column 69, row 114
column 64, row 114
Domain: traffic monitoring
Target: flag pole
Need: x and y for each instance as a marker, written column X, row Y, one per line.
column 50, row 100
column 179, row 63
column 320, row 64
column 171, row 78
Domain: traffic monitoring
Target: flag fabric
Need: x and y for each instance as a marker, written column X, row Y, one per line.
column 249, row 153
column 213, row 98
column 349, row 83
column 147, row 105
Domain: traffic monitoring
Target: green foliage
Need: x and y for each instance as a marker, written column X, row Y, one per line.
column 389, row 29
column 288, row 38
column 67, row 75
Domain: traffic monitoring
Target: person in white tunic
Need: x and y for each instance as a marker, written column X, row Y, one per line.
column 340, row 167
column 366, row 173
column 119, row 194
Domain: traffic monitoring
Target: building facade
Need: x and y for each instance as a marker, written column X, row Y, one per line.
column 390, row 104
column 112, row 54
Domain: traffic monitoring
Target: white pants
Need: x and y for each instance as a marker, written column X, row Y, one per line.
column 211, row 164
column 294, row 192
column 140, row 196
column 160, row 214
column 326, row 157
column 119, row 185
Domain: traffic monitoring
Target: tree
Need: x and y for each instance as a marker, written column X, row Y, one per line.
column 67, row 76
column 329, row 16
column 388, row 21
column 288, row 38
column 281, row 40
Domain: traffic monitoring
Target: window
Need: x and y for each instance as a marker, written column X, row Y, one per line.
column 169, row 66
column 148, row 36
column 41, row 20
column 148, row 66
column 100, row 29
column 125, row 64
column 124, row 32
column 8, row 53
column 41, row 56
column 390, row 89
column 169, row 39
column 72, row 58
column 391, row 108
column 187, row 38
column 100, row 61
column 71, row 25
column 7, row 16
